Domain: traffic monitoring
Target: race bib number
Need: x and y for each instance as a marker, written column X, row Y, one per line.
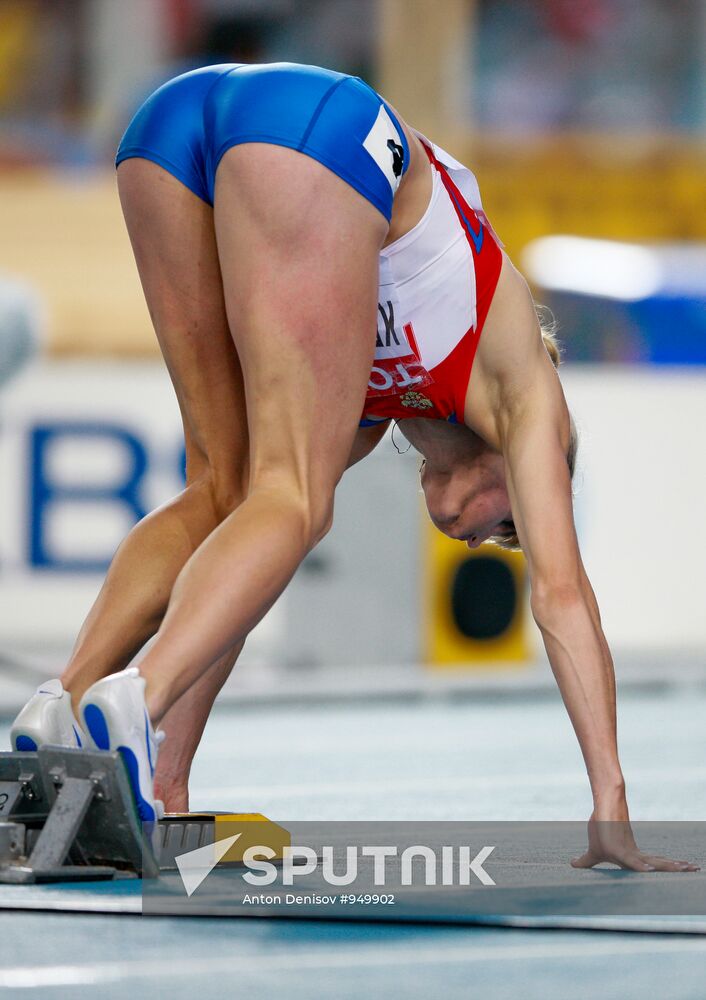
column 397, row 367
column 384, row 143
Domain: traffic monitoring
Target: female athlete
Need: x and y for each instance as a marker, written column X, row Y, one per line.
column 275, row 212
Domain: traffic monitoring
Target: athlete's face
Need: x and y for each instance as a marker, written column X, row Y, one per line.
column 469, row 503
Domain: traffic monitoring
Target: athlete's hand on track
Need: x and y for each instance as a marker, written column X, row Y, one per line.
column 613, row 841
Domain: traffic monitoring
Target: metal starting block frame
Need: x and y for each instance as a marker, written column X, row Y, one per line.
column 69, row 815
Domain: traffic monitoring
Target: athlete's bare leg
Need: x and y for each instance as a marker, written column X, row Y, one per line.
column 299, row 259
column 184, row 724
column 134, row 596
column 174, row 243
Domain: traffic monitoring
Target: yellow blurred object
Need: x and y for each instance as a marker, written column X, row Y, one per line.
column 17, row 44
column 474, row 607
column 623, row 188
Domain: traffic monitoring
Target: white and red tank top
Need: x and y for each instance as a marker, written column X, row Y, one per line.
column 436, row 285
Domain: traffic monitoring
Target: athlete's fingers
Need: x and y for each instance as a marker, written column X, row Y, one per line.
column 635, row 861
column 671, row 864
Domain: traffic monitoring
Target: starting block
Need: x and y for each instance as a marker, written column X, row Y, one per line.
column 69, row 815
column 184, row 832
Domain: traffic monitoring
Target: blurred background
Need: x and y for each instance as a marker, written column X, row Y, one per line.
column 585, row 122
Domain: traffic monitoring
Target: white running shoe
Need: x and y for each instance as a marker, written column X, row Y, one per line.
column 47, row 718
column 114, row 715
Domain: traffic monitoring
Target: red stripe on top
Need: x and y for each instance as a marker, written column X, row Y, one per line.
column 457, row 366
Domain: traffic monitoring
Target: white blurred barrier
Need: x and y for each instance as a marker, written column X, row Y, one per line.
column 86, row 448
column 641, row 497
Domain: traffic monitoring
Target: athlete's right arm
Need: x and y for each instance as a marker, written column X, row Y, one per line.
column 365, row 441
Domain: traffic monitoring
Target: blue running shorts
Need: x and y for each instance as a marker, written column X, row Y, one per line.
column 188, row 124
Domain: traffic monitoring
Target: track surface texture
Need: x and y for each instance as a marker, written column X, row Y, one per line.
column 457, row 759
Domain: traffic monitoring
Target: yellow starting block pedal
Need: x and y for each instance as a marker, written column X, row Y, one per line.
column 184, row 832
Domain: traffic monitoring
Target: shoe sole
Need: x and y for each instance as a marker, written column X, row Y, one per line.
column 98, row 729
column 32, row 738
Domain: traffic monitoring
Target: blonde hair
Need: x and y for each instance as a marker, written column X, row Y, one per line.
column 548, row 326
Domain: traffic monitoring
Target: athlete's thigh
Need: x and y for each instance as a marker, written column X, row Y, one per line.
column 299, row 252
column 173, row 239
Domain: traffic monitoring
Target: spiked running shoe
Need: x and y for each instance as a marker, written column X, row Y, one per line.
column 47, row 718
column 114, row 715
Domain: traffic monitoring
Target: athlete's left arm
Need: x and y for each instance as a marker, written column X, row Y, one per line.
column 532, row 427
column 534, row 430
